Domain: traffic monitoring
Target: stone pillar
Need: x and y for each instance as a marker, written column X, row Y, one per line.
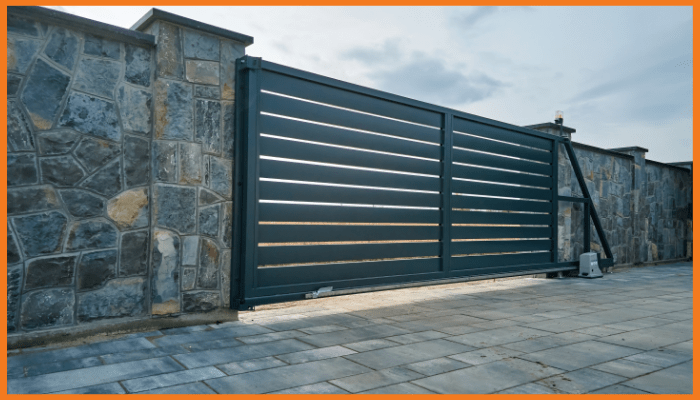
column 192, row 161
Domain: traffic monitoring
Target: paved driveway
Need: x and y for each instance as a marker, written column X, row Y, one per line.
column 630, row 332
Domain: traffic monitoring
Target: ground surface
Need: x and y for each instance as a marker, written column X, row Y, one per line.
column 629, row 332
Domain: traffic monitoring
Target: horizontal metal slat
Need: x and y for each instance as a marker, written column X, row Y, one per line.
column 499, row 232
column 475, row 262
column 490, row 160
column 490, row 175
column 505, row 218
column 278, row 83
column 327, row 134
column 312, row 152
column 334, row 116
column 481, row 144
column 344, row 252
column 334, row 194
column 488, row 203
column 319, row 173
column 488, row 189
column 343, row 233
column 322, row 274
column 492, row 132
column 499, row 246
column 313, row 213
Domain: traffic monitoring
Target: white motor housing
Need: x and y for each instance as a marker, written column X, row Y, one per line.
column 588, row 266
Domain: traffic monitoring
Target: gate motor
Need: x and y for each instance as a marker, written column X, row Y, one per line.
column 588, row 266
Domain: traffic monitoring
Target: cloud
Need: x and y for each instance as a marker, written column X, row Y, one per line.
column 470, row 18
column 389, row 51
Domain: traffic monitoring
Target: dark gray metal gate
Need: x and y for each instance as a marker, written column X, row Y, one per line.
column 344, row 186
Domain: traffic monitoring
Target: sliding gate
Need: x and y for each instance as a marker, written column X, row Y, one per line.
column 342, row 186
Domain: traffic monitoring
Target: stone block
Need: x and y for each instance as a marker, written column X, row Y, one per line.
column 208, row 274
column 41, row 233
column 207, row 92
column 190, row 244
column 63, row 48
column 81, row 203
column 207, row 197
column 21, row 170
column 13, row 84
column 227, row 224
column 129, row 210
column 21, row 26
column 188, row 278
column 43, row 92
column 230, row 51
column 123, row 297
column 165, row 285
column 209, row 220
column 204, row 72
column 47, row 308
column 165, row 161
column 200, row 301
column 21, row 53
column 136, row 161
column 14, row 287
column 190, row 164
column 229, row 121
column 13, row 254
column 96, row 268
column 97, row 76
column 175, row 208
column 221, row 176
column 173, row 110
column 33, row 199
column 133, row 255
column 200, row 46
column 92, row 116
column 19, row 133
column 57, row 142
column 94, row 153
column 50, row 272
column 94, row 234
column 135, row 108
column 169, row 61
column 226, row 277
column 61, row 171
column 97, row 46
column 208, row 125
column 138, row 65
column 106, row 181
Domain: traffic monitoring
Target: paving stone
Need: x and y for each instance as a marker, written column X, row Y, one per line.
column 211, row 344
column 529, row 388
column 579, row 355
column 626, row 368
column 136, row 161
column 483, row 356
column 135, row 108
column 559, row 325
column 13, row 84
column 599, row 331
column 21, row 52
column 175, row 208
column 417, row 337
column 61, row 171
column 14, row 288
column 47, row 308
column 190, row 164
column 229, row 121
column 57, row 142
column 581, row 381
column 19, row 133
column 200, row 301
column 40, row 234
column 97, row 76
column 661, row 357
column 322, row 329
column 436, row 366
column 207, row 92
column 97, row 46
column 78, row 363
column 241, row 353
column 401, row 388
column 169, row 61
column 184, row 330
column 209, row 220
column 230, row 51
column 142, row 354
column 189, row 388
column 352, row 335
column 316, row 388
column 133, row 254
column 270, row 337
column 652, row 338
column 276, row 379
column 129, row 209
column 203, row 72
column 684, row 347
column 250, row 365
column 227, row 332
column 315, row 354
column 373, row 380
column 499, row 336
column 118, row 298
column 165, row 161
column 171, row 379
column 138, row 65
column 406, row 354
column 65, row 380
column 208, row 125
column 546, row 342
column 33, row 199
column 173, row 110
column 200, row 46
column 93, row 234
column 107, row 388
column 165, row 285
column 50, row 272
column 22, row 26
column 619, row 389
column 221, row 176
column 63, row 48
column 91, row 115
column 94, row 153
column 639, row 324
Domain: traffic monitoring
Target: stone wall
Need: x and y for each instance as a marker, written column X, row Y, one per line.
column 119, row 167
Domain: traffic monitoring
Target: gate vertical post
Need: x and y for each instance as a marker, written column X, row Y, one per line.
column 446, row 213
column 555, row 201
column 587, row 226
column 245, row 187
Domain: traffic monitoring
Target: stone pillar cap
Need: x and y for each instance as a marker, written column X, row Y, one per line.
column 630, row 148
column 550, row 125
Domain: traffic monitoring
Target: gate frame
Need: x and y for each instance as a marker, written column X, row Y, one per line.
column 246, row 192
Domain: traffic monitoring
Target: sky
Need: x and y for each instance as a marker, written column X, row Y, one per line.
column 621, row 75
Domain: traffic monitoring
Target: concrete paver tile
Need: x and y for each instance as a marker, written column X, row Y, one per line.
column 626, row 368
column 529, row 388
column 579, row 355
column 105, row 388
column 483, row 356
column 640, row 323
column 407, row 354
column 251, row 365
column 316, row 388
column 498, row 336
column 417, row 337
column 599, row 331
column 322, row 329
column 143, row 354
column 674, row 380
column 189, row 388
column 76, row 363
column 652, row 338
column 401, row 388
column 185, row 329
column 214, row 334
column 270, row 337
column 686, row 347
column 240, row 353
column 661, row 357
column 368, row 345
column 171, row 379
column 353, row 335
column 581, row 381
column 375, row 379
column 315, row 354
column 619, row 389
column 436, row 366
